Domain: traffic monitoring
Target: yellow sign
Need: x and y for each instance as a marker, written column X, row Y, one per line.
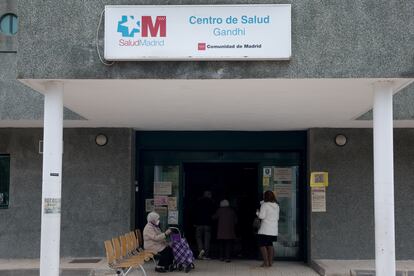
column 266, row 181
column 319, row 179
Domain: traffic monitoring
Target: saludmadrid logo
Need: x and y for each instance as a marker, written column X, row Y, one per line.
column 149, row 28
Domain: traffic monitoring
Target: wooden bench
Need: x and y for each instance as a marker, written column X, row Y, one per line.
column 125, row 253
column 140, row 243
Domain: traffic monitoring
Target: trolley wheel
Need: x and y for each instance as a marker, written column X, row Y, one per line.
column 180, row 267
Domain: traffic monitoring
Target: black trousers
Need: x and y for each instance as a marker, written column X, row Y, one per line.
column 166, row 257
column 225, row 249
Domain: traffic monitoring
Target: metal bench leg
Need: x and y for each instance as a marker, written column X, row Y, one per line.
column 153, row 259
column 143, row 270
column 128, row 270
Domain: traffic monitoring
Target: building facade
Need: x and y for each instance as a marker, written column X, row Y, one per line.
column 198, row 125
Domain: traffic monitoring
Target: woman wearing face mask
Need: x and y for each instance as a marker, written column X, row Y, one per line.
column 155, row 241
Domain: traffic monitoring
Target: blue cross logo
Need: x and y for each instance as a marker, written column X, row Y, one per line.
column 128, row 26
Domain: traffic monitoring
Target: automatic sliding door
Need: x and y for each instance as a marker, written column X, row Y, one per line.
column 283, row 180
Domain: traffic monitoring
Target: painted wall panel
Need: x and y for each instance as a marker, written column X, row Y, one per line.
column 346, row 230
column 96, row 191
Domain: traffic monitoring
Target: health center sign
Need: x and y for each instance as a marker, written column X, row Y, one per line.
column 194, row 32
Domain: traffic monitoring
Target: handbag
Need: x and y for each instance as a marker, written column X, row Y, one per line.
column 256, row 224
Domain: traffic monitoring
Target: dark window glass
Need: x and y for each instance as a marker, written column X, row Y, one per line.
column 9, row 24
column 4, row 180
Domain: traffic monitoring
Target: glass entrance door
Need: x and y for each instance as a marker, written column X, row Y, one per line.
column 165, row 185
column 283, row 181
column 161, row 193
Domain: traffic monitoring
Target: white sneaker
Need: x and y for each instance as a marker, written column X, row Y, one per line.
column 201, row 254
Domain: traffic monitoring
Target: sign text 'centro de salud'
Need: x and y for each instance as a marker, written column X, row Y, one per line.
column 222, row 32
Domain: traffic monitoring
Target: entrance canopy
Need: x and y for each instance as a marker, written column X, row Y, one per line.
column 236, row 104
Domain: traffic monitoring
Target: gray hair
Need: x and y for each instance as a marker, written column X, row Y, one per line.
column 224, row 203
column 153, row 217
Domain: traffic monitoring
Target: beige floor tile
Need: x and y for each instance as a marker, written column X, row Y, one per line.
column 203, row 268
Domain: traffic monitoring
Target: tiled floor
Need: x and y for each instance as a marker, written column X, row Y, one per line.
column 30, row 267
column 203, row 268
column 238, row 268
column 349, row 267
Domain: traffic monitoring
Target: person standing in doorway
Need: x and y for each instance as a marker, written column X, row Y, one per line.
column 268, row 231
column 226, row 235
column 202, row 221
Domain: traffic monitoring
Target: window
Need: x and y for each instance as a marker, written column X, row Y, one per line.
column 9, row 24
column 4, row 180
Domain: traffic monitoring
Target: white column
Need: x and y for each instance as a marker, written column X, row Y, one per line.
column 52, row 179
column 384, row 179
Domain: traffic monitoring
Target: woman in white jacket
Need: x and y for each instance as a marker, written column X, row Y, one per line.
column 268, row 231
column 155, row 241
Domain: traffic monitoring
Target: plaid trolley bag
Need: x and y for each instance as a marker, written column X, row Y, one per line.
column 183, row 256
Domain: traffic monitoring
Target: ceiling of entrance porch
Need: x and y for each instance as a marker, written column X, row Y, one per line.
column 237, row 104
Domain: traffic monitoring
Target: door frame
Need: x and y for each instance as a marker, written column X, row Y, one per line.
column 181, row 147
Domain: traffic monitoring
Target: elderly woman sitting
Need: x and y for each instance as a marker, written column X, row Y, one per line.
column 155, row 241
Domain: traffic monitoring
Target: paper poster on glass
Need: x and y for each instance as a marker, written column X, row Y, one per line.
column 266, row 182
column 149, row 205
column 283, row 191
column 160, row 200
column 163, row 188
column 282, row 174
column 172, row 217
column 172, row 203
column 267, row 172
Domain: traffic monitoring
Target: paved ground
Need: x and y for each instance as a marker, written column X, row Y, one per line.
column 30, row 267
column 246, row 268
column 359, row 267
column 203, row 268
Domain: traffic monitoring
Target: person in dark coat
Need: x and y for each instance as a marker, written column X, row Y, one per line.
column 204, row 211
column 226, row 221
